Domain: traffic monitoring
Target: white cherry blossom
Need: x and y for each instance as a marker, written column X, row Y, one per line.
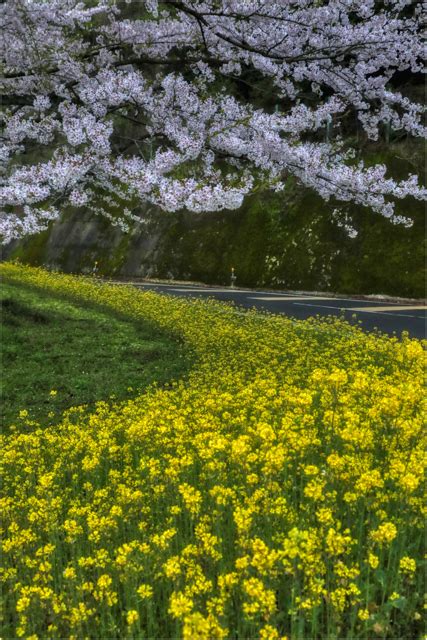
column 142, row 101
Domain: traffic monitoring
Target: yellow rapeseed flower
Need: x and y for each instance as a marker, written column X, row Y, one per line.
column 407, row 565
column 145, row 591
column 132, row 616
column 180, row 605
column 363, row 614
column 261, row 489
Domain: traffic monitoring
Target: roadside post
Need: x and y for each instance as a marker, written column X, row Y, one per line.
column 233, row 277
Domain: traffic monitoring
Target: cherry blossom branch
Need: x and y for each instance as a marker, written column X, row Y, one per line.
column 75, row 72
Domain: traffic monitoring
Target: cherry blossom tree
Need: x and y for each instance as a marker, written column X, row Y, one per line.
column 108, row 104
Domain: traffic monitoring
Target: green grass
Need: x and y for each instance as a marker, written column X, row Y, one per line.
column 83, row 353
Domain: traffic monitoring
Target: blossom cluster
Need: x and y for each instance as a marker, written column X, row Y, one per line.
column 275, row 492
column 77, row 76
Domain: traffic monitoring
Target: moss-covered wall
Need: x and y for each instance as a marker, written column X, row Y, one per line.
column 288, row 240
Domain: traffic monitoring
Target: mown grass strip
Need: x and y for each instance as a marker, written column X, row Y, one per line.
column 57, row 354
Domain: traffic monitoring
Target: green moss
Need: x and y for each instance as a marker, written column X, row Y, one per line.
column 32, row 250
column 110, row 259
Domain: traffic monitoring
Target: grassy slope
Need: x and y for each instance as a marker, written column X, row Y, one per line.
column 82, row 353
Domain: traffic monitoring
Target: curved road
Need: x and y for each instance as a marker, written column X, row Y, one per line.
column 389, row 317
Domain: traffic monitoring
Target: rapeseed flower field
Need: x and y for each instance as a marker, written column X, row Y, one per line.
column 276, row 491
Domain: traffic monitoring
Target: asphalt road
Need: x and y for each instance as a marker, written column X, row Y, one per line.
column 388, row 317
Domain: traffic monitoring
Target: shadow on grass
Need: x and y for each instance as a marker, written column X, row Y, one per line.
column 57, row 354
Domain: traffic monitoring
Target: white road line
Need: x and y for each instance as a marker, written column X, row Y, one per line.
column 308, row 297
column 137, row 284
column 358, row 309
column 200, row 290
column 271, row 296
column 178, row 288
column 406, row 307
column 266, row 296
column 278, row 298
